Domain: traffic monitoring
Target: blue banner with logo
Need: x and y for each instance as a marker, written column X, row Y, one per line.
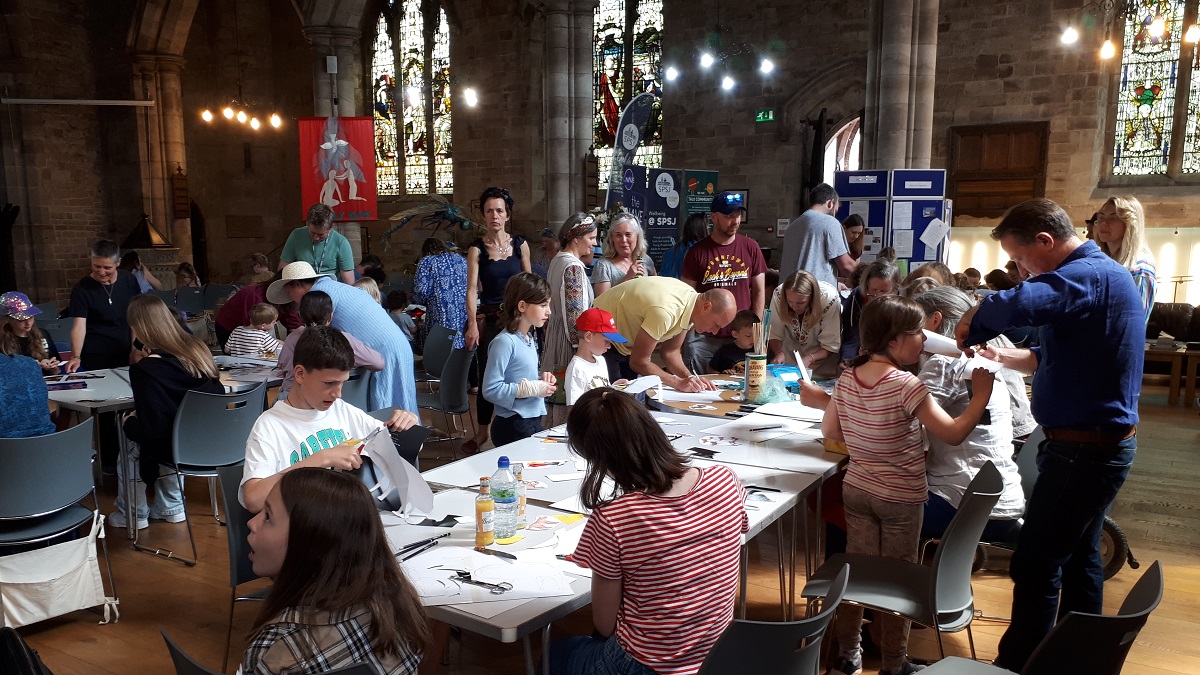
column 629, row 136
column 663, row 201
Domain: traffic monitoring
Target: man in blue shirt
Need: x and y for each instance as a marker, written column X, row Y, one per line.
column 1087, row 378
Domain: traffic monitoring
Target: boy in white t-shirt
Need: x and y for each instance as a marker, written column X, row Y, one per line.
column 597, row 330
column 313, row 426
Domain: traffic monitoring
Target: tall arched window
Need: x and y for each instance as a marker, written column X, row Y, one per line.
column 1149, row 78
column 410, row 71
column 628, row 61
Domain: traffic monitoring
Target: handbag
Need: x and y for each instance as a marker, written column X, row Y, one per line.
column 48, row 582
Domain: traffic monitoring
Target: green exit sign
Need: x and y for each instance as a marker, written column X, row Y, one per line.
column 765, row 115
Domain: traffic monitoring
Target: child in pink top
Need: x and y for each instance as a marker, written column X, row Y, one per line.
column 877, row 409
column 663, row 549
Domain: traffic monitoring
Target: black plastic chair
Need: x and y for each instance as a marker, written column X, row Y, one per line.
column 770, row 648
column 939, row 596
column 190, row 300
column 210, row 431
column 186, row 665
column 43, row 479
column 408, row 442
column 357, row 390
column 451, row 398
column 438, row 345
column 1081, row 643
column 241, row 569
column 215, row 293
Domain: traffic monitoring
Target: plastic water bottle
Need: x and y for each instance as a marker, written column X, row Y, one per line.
column 518, row 470
column 485, row 515
column 504, row 493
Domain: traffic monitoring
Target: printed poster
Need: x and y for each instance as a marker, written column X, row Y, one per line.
column 337, row 166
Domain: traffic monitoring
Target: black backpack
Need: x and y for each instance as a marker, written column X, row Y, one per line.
column 17, row 657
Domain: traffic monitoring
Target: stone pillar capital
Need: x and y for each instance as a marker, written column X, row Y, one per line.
column 328, row 36
column 149, row 62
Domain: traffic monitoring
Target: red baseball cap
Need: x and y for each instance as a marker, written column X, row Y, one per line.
column 596, row 320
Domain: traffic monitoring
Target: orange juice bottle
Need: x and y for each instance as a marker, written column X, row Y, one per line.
column 485, row 513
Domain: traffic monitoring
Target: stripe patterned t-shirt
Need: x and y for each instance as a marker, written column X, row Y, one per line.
column 677, row 559
column 884, row 439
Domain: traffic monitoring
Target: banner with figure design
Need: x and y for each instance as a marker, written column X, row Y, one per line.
column 337, row 166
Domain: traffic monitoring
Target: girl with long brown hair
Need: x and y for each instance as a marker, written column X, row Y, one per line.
column 19, row 333
column 339, row 596
column 511, row 380
column 663, row 546
column 171, row 364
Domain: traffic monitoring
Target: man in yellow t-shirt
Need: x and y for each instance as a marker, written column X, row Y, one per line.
column 653, row 311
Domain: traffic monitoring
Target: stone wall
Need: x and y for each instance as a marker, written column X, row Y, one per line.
column 245, row 183
column 67, row 167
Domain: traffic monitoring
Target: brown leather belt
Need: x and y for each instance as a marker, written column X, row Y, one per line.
column 1090, row 436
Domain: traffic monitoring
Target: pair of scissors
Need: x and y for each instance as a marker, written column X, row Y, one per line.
column 464, row 577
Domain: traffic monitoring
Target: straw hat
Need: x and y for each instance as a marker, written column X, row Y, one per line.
column 297, row 271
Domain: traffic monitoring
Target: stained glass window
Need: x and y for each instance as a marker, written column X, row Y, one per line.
column 612, row 91
column 412, row 110
column 1146, row 96
column 412, row 84
column 383, row 77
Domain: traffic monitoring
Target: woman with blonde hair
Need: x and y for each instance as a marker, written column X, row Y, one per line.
column 624, row 255
column 171, row 363
column 806, row 318
column 1121, row 232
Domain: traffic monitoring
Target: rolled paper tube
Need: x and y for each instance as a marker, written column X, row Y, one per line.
column 935, row 343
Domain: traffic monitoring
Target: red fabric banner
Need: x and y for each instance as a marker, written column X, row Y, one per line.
column 337, row 166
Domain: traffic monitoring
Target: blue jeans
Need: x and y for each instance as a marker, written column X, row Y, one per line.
column 939, row 512
column 1058, row 550
column 593, row 656
column 168, row 499
column 506, row 430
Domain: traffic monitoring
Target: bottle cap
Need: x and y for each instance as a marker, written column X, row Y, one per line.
column 484, row 480
column 502, row 462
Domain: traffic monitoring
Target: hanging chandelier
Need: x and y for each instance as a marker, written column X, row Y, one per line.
column 238, row 109
column 1152, row 23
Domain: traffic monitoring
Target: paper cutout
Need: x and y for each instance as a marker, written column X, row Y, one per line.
column 395, row 473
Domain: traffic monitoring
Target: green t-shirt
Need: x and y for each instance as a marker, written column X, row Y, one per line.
column 328, row 257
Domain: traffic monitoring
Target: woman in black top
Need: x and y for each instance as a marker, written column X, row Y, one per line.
column 491, row 260
column 171, row 364
column 99, row 302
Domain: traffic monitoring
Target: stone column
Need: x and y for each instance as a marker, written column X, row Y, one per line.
column 924, row 76
column 161, row 143
column 895, row 80
column 583, row 13
column 341, row 42
column 557, row 125
column 901, row 67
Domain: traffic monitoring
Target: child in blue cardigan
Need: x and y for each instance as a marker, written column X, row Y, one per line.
column 512, row 381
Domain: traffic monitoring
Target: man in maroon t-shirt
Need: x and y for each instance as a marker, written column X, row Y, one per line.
column 723, row 259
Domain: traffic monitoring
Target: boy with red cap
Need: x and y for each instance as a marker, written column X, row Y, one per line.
column 587, row 370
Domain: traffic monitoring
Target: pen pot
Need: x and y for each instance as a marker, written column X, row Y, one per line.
column 756, row 373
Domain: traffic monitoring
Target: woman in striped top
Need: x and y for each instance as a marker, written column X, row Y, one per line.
column 877, row 409
column 663, row 545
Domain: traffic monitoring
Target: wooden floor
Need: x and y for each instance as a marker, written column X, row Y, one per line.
column 1158, row 508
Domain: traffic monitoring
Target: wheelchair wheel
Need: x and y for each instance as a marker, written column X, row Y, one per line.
column 1114, row 547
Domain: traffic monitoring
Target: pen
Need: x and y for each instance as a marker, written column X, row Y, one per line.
column 415, row 544
column 418, row 551
column 774, row 426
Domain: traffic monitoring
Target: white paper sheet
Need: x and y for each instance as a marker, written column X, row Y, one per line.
column 977, row 361
column 758, row 427
column 861, row 208
column 571, row 504
column 935, row 231
column 560, row 477
column 431, row 573
column 936, row 343
column 901, row 216
column 642, row 384
column 902, row 241
column 397, row 473
column 692, row 397
column 800, row 366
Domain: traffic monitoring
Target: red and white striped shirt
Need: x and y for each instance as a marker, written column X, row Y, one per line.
column 677, row 559
column 884, row 439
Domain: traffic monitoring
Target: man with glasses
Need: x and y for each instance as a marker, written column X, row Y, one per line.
column 723, row 259
column 318, row 245
column 815, row 242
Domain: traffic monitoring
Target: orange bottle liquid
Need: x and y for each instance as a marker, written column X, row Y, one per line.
column 485, row 513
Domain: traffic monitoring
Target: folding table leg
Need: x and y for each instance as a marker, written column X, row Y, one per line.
column 782, row 548
column 743, row 571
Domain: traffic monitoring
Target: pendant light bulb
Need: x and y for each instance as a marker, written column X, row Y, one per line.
column 276, row 121
column 207, row 116
column 1108, row 50
column 672, row 74
column 227, row 112
column 254, row 123
column 241, row 116
column 1193, row 34
column 706, row 60
column 1070, row 36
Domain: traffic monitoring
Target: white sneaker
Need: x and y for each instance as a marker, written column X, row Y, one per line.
column 172, row 518
column 117, row 520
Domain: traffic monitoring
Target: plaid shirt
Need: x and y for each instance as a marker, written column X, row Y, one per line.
column 300, row 642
